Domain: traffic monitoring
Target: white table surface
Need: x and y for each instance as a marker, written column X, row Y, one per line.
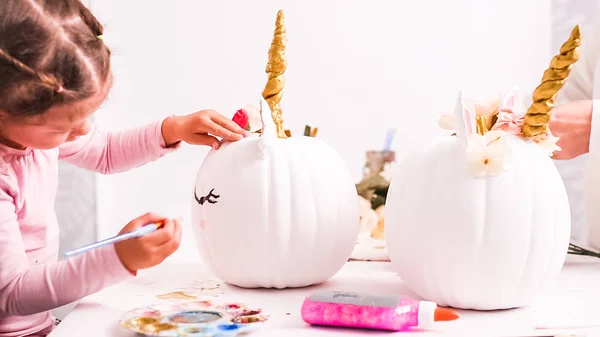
column 570, row 306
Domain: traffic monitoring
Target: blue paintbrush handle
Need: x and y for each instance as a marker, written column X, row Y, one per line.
column 125, row 236
column 389, row 137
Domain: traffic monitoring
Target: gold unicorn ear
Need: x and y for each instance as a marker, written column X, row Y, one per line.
column 535, row 125
column 275, row 68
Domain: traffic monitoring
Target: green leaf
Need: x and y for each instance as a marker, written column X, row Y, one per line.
column 377, row 201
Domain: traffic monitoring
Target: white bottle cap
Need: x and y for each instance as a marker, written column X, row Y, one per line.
column 426, row 313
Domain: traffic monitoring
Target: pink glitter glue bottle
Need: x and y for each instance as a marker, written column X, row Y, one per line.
column 392, row 313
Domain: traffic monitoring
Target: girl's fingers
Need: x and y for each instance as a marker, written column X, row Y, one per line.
column 143, row 220
column 227, row 123
column 220, row 131
column 149, row 218
column 203, row 139
column 171, row 246
column 161, row 235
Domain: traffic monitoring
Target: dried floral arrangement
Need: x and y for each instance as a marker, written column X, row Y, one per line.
column 377, row 175
column 372, row 190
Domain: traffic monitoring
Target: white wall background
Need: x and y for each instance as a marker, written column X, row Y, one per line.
column 355, row 68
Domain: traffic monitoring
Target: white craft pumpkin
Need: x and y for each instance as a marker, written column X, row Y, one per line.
column 477, row 242
column 286, row 214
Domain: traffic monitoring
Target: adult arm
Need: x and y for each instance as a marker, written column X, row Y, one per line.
column 582, row 83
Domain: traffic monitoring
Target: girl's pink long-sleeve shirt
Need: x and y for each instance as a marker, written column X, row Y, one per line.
column 31, row 280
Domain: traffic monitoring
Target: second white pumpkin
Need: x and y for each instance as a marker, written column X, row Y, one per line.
column 477, row 243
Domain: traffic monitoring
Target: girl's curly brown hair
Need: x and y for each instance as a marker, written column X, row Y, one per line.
column 51, row 53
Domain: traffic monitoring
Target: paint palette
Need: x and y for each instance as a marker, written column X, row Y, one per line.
column 193, row 319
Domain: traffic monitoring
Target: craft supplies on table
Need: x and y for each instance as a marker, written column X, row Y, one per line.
column 567, row 307
column 193, row 319
column 377, row 312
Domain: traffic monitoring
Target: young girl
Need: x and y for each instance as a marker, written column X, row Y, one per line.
column 54, row 73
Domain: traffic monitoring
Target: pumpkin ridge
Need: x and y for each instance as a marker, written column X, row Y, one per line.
column 528, row 257
column 340, row 208
column 555, row 250
column 293, row 215
column 549, row 259
column 484, row 232
column 271, row 224
column 289, row 219
column 433, row 283
column 316, row 211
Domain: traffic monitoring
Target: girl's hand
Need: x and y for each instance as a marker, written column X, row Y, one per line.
column 572, row 123
column 200, row 128
column 149, row 250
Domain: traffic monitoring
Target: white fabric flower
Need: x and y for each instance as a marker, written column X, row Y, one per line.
column 487, row 155
column 254, row 117
column 548, row 143
column 447, row 122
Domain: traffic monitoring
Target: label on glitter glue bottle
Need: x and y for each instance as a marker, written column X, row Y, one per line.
column 341, row 297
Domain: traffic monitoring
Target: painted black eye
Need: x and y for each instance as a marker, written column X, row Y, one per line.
column 211, row 198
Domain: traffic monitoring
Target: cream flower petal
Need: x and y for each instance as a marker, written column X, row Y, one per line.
column 487, row 155
column 487, row 109
column 548, row 144
column 253, row 117
column 447, row 122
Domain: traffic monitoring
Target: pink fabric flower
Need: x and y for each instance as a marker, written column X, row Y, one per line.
column 241, row 118
column 509, row 121
column 511, row 115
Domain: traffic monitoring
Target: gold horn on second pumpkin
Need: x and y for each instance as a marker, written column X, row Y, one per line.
column 275, row 69
column 538, row 115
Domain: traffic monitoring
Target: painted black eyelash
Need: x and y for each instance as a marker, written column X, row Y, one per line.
column 210, row 197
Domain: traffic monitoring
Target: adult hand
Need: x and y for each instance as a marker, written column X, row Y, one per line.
column 572, row 123
column 201, row 128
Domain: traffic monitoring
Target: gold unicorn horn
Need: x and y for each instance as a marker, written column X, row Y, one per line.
column 275, row 68
column 538, row 115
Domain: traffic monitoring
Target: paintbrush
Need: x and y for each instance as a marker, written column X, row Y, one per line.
column 389, row 137
column 144, row 230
